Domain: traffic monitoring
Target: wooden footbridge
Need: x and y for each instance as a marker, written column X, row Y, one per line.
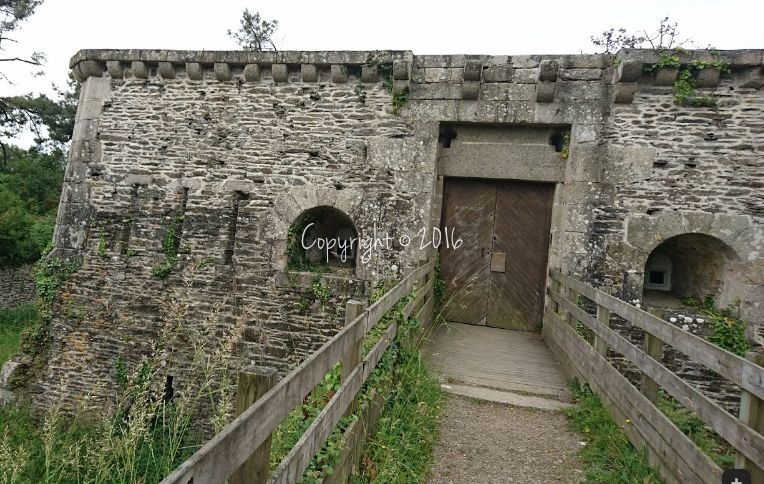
column 241, row 451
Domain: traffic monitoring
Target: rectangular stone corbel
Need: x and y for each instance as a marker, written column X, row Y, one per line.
column 625, row 91
column 166, row 70
column 194, row 71
column 222, row 71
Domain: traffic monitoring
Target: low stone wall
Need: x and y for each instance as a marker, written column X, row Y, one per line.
column 17, row 286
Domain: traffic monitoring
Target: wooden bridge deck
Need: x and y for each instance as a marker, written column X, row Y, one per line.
column 497, row 359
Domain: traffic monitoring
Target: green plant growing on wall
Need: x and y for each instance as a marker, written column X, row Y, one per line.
column 565, row 151
column 170, row 249
column 685, row 92
column 102, row 245
column 296, row 257
column 439, row 285
column 728, row 331
column 360, row 93
column 400, row 100
column 321, row 292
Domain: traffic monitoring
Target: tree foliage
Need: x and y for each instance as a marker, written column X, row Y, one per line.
column 666, row 37
column 255, row 33
column 50, row 120
column 29, row 190
column 12, row 14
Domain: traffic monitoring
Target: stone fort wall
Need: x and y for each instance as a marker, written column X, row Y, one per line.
column 227, row 149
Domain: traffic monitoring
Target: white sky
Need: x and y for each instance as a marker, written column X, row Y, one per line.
column 62, row 27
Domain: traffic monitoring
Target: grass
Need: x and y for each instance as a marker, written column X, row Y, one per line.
column 694, row 428
column 402, row 449
column 148, row 431
column 608, row 455
column 12, row 323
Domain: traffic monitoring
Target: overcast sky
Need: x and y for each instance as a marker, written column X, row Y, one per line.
column 62, row 27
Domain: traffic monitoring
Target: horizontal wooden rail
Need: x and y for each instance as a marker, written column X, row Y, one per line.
column 217, row 459
column 749, row 442
column 678, row 458
column 731, row 366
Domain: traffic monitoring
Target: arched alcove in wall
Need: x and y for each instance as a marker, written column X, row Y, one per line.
column 322, row 237
column 688, row 265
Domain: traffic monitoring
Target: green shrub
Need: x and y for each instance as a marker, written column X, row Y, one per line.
column 12, row 324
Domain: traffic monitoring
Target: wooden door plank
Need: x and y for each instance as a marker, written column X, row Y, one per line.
column 468, row 207
column 521, row 231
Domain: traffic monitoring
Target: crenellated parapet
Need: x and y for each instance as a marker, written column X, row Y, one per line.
column 536, row 78
column 226, row 66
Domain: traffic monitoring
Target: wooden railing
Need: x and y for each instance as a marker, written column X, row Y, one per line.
column 671, row 451
column 244, row 444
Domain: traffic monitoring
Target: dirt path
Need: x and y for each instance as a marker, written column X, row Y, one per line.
column 484, row 442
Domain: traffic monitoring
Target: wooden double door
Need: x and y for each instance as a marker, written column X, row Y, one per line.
column 497, row 277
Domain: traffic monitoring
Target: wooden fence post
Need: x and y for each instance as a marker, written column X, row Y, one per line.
column 254, row 382
column 654, row 349
column 603, row 316
column 752, row 414
column 572, row 296
column 352, row 358
column 555, row 285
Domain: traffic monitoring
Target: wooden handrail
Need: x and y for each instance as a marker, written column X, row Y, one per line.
column 678, row 458
column 740, row 436
column 731, row 366
column 218, row 458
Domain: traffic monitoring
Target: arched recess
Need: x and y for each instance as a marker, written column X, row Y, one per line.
column 322, row 237
column 290, row 205
column 743, row 275
column 689, row 265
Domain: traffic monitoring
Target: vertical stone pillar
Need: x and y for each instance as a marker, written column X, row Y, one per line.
column 74, row 210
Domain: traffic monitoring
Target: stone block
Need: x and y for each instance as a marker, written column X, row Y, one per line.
column 401, row 86
column 140, row 69
column 309, row 73
column 583, row 74
column 437, row 74
column 252, row 72
column 234, row 185
column 548, row 70
column 440, row 90
column 166, row 70
column 473, row 70
column 369, row 73
column 665, row 76
column 115, row 69
column 194, row 71
column 628, row 71
column 339, row 73
column 470, row 90
column 625, row 91
column 751, row 78
column 401, row 69
column 525, row 61
column 501, row 73
column 545, row 91
column 708, row 77
column 526, row 76
column 6, row 374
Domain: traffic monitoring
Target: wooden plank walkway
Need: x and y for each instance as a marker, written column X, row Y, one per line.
column 498, row 359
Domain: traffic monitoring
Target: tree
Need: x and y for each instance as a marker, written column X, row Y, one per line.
column 51, row 120
column 255, row 33
column 665, row 38
column 13, row 13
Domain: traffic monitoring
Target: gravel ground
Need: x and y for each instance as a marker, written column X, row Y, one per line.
column 483, row 442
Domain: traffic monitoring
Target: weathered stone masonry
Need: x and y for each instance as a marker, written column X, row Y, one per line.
column 227, row 149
